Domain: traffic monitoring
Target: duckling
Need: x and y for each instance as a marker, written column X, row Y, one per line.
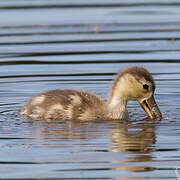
column 134, row 83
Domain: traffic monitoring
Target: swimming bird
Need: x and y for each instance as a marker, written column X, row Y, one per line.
column 134, row 83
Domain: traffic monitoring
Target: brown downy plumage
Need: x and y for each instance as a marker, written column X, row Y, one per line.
column 134, row 83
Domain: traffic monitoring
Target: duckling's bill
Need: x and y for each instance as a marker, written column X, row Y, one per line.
column 149, row 105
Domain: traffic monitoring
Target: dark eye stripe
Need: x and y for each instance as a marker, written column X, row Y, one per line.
column 145, row 86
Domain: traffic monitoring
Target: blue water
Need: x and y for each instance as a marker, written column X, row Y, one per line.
column 47, row 45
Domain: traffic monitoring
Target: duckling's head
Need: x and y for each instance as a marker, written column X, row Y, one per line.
column 136, row 83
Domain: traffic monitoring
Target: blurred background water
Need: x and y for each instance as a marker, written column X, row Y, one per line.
column 80, row 44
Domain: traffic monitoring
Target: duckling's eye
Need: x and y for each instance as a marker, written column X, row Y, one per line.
column 145, row 86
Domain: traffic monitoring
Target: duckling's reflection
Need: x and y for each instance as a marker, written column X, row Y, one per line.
column 127, row 136
column 137, row 139
column 134, row 138
column 70, row 130
column 130, row 137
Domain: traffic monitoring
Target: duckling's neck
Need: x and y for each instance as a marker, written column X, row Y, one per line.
column 117, row 107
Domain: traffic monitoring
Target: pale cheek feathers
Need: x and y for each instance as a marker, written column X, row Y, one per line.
column 129, row 87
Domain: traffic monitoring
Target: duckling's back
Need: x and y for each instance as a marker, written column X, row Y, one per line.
column 64, row 105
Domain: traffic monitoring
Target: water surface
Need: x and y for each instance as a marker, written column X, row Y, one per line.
column 47, row 45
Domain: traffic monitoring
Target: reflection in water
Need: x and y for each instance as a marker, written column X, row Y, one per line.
column 70, row 130
column 136, row 138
